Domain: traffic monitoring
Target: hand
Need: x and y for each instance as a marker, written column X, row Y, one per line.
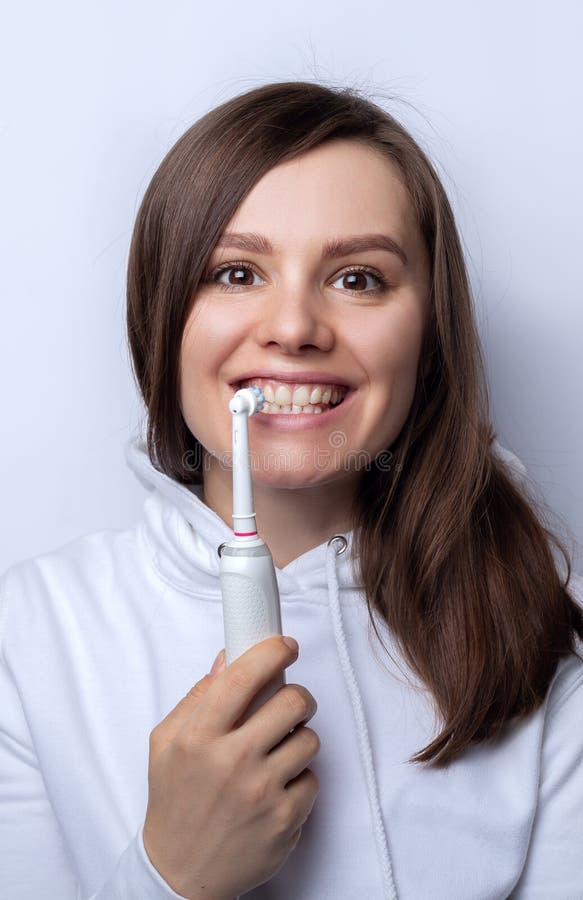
column 227, row 800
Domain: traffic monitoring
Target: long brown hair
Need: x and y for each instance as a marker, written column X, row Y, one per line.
column 453, row 552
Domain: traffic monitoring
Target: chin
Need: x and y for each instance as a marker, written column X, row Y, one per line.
column 291, row 480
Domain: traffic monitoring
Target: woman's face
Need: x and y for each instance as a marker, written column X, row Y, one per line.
column 291, row 317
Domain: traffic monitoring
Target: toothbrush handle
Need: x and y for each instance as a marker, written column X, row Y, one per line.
column 251, row 607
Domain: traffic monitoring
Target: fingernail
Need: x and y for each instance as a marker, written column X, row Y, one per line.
column 219, row 663
column 292, row 644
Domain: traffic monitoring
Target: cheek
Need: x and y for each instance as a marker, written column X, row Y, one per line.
column 402, row 349
column 194, row 361
column 212, row 333
column 186, row 370
column 391, row 344
column 202, row 341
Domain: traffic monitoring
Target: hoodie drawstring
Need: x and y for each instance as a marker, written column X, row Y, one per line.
column 389, row 889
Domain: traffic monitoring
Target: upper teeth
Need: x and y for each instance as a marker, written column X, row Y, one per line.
column 284, row 394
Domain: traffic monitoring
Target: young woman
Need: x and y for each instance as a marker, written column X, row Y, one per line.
column 296, row 237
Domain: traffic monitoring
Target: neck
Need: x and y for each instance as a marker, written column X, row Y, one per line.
column 291, row 519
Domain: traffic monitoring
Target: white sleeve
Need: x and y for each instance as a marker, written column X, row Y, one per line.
column 135, row 877
column 34, row 861
column 553, row 866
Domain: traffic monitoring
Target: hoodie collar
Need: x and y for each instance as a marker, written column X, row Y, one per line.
column 183, row 535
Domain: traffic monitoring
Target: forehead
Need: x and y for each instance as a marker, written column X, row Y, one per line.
column 342, row 187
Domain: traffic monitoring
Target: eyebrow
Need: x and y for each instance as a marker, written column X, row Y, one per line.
column 333, row 249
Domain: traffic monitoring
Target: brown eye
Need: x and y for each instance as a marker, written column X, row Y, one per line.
column 238, row 275
column 355, row 281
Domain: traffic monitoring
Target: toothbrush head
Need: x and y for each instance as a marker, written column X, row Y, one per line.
column 260, row 397
column 249, row 400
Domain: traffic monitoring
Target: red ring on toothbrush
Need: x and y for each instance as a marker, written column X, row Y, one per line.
column 244, row 533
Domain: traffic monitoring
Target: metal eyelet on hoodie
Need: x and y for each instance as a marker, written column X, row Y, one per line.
column 343, row 543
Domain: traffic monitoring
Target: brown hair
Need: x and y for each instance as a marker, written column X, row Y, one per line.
column 452, row 551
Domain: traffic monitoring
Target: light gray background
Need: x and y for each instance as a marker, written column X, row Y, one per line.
column 94, row 94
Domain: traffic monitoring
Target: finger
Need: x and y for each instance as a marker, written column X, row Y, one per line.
column 291, row 706
column 229, row 696
column 292, row 757
column 182, row 712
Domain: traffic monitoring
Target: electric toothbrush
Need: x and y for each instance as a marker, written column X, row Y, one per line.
column 251, row 607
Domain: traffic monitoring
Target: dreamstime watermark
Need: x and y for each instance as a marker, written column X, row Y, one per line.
column 322, row 458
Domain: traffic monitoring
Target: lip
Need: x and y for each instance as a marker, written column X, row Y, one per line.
column 301, row 421
column 306, row 377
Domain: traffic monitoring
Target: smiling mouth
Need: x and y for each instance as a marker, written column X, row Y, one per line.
column 296, row 398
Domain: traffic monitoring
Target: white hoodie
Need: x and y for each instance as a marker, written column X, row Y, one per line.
column 101, row 638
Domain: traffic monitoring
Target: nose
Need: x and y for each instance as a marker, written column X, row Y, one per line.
column 295, row 319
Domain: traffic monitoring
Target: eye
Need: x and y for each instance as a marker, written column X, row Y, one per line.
column 358, row 274
column 243, row 271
